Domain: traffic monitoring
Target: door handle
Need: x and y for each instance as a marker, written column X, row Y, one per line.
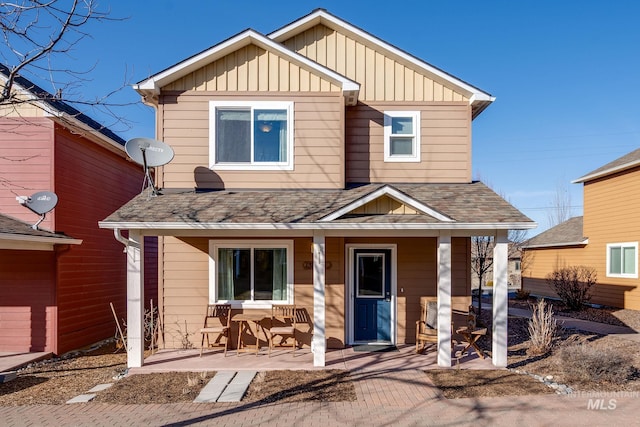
column 388, row 297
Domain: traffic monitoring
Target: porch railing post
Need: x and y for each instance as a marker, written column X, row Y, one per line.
column 318, row 345
column 135, row 300
column 500, row 299
column 444, row 300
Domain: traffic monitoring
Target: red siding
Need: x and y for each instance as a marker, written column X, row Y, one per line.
column 25, row 165
column 27, row 296
column 91, row 183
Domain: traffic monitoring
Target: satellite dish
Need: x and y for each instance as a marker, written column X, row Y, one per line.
column 149, row 153
column 40, row 203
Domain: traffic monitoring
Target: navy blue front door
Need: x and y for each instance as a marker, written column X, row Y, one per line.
column 372, row 295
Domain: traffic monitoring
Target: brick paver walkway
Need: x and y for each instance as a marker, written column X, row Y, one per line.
column 398, row 398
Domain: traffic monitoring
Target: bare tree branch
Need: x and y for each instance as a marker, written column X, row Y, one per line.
column 38, row 37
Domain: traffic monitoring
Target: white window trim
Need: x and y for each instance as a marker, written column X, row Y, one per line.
column 274, row 105
column 633, row 245
column 214, row 245
column 415, row 157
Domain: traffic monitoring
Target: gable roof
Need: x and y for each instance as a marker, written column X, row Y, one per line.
column 627, row 161
column 150, row 87
column 479, row 99
column 467, row 206
column 21, row 235
column 62, row 111
column 568, row 233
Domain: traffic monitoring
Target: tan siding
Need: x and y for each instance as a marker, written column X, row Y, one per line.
column 445, row 144
column 382, row 78
column 252, row 68
column 385, row 205
column 186, row 284
column 318, row 140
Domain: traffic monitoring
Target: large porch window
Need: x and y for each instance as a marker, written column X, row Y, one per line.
column 251, row 274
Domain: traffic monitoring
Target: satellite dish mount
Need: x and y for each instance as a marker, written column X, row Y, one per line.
column 39, row 203
column 149, row 153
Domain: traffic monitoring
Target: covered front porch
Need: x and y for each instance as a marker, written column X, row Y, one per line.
column 419, row 229
column 405, row 357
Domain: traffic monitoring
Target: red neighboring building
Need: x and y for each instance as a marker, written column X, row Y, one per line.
column 56, row 284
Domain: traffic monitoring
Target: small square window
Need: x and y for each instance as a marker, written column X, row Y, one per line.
column 622, row 260
column 402, row 136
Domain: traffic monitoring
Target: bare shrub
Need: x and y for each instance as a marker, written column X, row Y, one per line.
column 573, row 285
column 542, row 328
column 581, row 363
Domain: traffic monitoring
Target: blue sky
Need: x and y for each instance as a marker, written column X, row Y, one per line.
column 563, row 73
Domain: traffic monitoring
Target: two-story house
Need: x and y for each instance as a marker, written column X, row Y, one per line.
column 57, row 282
column 321, row 166
column 604, row 238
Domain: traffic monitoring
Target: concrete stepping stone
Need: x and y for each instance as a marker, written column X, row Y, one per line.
column 237, row 387
column 83, row 398
column 214, row 388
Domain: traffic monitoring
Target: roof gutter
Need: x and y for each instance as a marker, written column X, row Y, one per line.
column 314, row 226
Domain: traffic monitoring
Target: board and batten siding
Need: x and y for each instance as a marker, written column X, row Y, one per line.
column 318, row 142
column 26, row 165
column 445, row 145
column 252, row 69
column 382, row 78
column 91, row 183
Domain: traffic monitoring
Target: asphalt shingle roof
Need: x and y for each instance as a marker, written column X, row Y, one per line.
column 563, row 234
column 619, row 163
column 13, row 226
column 464, row 203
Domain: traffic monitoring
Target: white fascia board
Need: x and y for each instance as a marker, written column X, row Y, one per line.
column 394, row 194
column 557, row 245
column 321, row 16
column 315, row 226
column 606, row 172
column 10, row 237
column 154, row 83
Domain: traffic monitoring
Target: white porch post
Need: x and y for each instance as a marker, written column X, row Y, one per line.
column 444, row 301
column 500, row 297
column 319, row 343
column 135, row 300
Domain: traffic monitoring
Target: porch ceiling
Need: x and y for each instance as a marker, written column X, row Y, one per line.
column 462, row 204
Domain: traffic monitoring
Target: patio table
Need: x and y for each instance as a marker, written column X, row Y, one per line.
column 471, row 335
column 244, row 321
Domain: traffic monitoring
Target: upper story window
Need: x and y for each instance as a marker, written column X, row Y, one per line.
column 402, row 136
column 251, row 135
column 622, row 260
